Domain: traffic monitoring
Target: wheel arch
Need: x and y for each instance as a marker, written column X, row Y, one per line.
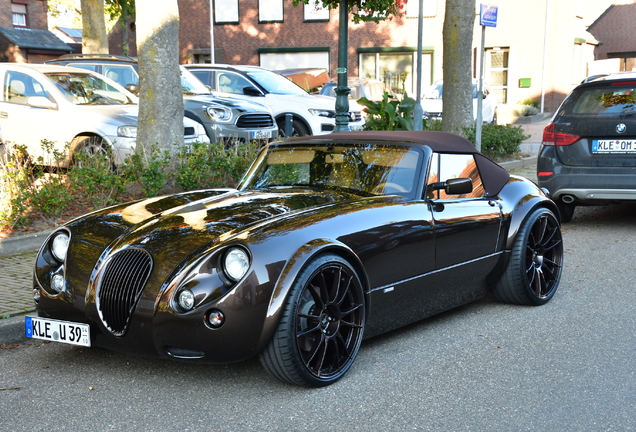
column 303, row 256
column 281, row 117
column 521, row 212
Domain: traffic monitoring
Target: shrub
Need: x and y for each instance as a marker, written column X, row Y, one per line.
column 498, row 140
column 148, row 171
column 388, row 115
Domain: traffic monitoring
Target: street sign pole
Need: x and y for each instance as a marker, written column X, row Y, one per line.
column 487, row 18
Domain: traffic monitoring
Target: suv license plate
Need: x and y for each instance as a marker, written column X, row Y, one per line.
column 259, row 135
column 58, row 331
column 613, row 146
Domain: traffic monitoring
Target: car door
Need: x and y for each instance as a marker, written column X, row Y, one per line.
column 466, row 228
column 24, row 124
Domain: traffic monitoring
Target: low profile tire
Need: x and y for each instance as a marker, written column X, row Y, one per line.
column 321, row 328
column 534, row 270
column 566, row 211
column 298, row 128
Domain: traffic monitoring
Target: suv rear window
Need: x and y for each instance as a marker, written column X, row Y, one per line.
column 606, row 100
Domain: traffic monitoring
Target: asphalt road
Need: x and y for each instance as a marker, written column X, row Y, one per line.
column 567, row 366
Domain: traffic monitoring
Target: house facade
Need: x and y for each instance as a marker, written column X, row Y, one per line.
column 24, row 34
column 616, row 34
column 538, row 50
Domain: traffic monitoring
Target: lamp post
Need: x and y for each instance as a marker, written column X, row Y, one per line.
column 211, row 32
column 343, row 90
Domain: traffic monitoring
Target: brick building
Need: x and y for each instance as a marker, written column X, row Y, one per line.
column 538, row 48
column 614, row 30
column 24, row 34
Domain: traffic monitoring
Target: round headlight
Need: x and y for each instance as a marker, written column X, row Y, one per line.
column 236, row 264
column 186, row 299
column 59, row 246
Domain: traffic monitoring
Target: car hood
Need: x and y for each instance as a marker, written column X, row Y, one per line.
column 177, row 226
column 231, row 103
column 109, row 114
column 313, row 101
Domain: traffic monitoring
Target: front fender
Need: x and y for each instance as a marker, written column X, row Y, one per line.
column 290, row 272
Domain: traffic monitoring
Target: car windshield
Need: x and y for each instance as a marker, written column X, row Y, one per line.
column 86, row 89
column 614, row 100
column 190, row 84
column 275, row 83
column 370, row 169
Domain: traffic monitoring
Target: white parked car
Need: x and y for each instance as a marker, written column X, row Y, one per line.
column 64, row 105
column 432, row 102
column 312, row 114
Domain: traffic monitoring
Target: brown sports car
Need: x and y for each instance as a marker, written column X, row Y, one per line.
column 326, row 240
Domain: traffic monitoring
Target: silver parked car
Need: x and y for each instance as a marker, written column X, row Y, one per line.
column 226, row 119
column 71, row 106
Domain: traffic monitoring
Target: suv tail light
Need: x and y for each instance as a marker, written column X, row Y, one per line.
column 551, row 138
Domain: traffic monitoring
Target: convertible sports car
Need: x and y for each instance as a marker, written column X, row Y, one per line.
column 326, row 240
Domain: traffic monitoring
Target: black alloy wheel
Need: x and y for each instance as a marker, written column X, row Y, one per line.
column 534, row 270
column 321, row 327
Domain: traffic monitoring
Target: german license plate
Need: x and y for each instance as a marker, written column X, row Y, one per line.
column 58, row 331
column 258, row 135
column 613, row 146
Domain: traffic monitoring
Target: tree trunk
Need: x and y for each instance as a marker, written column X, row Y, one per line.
column 459, row 22
column 94, row 36
column 160, row 95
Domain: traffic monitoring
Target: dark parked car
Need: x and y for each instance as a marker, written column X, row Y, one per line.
column 327, row 240
column 588, row 156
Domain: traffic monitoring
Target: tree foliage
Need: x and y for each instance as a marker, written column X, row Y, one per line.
column 365, row 10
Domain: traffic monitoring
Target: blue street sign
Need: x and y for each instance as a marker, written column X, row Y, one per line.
column 488, row 15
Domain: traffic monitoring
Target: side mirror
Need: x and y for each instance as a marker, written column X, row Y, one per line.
column 252, row 91
column 457, row 186
column 133, row 88
column 41, row 102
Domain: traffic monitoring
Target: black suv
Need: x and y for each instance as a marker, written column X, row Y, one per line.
column 588, row 156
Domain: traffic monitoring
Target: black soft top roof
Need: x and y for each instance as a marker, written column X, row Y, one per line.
column 493, row 176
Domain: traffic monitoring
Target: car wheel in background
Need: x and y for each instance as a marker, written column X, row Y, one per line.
column 298, row 128
column 534, row 270
column 566, row 211
column 321, row 328
column 84, row 148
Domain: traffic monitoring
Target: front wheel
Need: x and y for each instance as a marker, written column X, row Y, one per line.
column 88, row 150
column 298, row 128
column 536, row 261
column 321, row 328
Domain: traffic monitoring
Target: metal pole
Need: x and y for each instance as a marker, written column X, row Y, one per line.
column 212, row 31
column 480, row 92
column 343, row 90
column 545, row 56
column 418, row 111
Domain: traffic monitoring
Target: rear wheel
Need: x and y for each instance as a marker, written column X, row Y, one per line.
column 566, row 211
column 534, row 270
column 321, row 327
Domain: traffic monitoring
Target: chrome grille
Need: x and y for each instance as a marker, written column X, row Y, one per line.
column 354, row 116
column 123, row 279
column 254, row 121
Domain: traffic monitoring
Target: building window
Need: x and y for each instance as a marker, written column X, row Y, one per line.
column 19, row 14
column 429, row 8
column 497, row 72
column 226, row 11
column 270, row 11
column 396, row 67
column 315, row 11
column 293, row 58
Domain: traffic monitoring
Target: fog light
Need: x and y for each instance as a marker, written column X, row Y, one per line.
column 57, row 282
column 36, row 295
column 216, row 318
column 186, row 300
